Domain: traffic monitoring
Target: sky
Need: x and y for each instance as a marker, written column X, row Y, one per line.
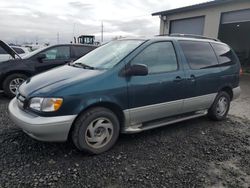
column 49, row 20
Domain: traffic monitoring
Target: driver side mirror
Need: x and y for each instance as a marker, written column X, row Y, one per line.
column 40, row 57
column 137, row 70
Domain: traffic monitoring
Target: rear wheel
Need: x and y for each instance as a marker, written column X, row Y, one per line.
column 96, row 131
column 220, row 107
column 12, row 83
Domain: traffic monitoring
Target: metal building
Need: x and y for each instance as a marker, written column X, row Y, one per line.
column 228, row 20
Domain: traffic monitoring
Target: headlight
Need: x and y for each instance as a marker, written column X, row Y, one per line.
column 46, row 104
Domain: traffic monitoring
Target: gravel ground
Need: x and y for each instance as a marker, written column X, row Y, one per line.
column 241, row 107
column 195, row 153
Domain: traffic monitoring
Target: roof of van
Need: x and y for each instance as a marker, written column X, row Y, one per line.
column 176, row 37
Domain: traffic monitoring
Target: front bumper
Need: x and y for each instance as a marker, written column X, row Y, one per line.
column 54, row 129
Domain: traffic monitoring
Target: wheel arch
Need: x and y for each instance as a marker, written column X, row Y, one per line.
column 116, row 109
column 27, row 73
column 228, row 90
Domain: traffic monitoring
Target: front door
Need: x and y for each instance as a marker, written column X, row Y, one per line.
column 55, row 56
column 158, row 94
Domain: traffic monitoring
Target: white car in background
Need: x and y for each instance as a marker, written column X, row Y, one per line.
column 21, row 51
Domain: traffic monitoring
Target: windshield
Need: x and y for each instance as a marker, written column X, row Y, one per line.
column 108, row 55
column 33, row 53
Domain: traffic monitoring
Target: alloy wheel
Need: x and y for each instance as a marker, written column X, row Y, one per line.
column 99, row 132
column 222, row 106
column 14, row 84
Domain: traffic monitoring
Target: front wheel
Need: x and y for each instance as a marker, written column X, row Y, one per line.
column 12, row 83
column 96, row 130
column 220, row 107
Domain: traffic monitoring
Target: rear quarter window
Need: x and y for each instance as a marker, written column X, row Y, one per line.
column 199, row 55
column 225, row 54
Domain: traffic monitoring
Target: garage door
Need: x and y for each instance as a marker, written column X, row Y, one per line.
column 236, row 16
column 193, row 26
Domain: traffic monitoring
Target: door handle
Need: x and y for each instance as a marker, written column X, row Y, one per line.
column 178, row 79
column 191, row 78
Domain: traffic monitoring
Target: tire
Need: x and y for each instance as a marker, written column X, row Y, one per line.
column 216, row 112
column 10, row 80
column 86, row 136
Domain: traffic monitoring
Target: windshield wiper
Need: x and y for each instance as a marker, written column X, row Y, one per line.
column 82, row 66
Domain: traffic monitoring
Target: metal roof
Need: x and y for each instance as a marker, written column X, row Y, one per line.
column 194, row 7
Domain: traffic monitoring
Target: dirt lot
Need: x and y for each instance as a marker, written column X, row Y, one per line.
column 195, row 153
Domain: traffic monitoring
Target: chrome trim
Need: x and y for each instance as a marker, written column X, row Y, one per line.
column 41, row 128
column 236, row 92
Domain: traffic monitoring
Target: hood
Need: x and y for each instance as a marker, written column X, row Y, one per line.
column 9, row 50
column 56, row 79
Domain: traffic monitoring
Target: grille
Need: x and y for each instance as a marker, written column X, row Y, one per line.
column 21, row 100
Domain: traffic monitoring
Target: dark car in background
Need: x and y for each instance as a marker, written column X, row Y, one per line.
column 16, row 70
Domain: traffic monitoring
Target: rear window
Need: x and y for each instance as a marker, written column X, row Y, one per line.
column 225, row 54
column 199, row 55
column 80, row 51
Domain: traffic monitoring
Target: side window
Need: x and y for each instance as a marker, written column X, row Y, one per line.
column 224, row 53
column 199, row 55
column 159, row 57
column 61, row 52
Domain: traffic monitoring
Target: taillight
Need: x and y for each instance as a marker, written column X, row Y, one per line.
column 241, row 71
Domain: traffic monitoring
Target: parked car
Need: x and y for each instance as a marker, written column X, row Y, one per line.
column 128, row 86
column 21, row 51
column 13, row 72
column 5, row 56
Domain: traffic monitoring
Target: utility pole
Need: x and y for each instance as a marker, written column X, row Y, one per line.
column 73, row 37
column 57, row 38
column 102, row 32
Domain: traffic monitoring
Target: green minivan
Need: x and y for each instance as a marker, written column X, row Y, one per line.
column 128, row 86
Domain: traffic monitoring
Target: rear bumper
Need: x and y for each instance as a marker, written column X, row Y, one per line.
column 54, row 129
column 236, row 92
